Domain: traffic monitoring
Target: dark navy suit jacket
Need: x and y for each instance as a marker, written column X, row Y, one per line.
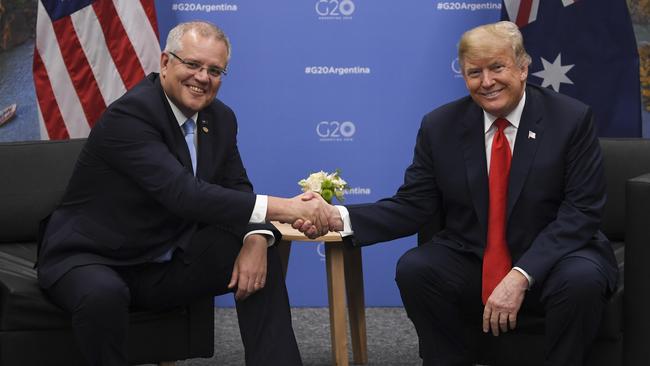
column 133, row 196
column 556, row 189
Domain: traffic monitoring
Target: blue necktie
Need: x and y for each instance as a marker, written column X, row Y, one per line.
column 189, row 127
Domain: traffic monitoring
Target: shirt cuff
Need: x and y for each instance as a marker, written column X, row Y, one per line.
column 259, row 210
column 531, row 281
column 270, row 239
column 347, row 224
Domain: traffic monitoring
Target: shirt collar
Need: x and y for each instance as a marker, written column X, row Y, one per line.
column 180, row 117
column 513, row 117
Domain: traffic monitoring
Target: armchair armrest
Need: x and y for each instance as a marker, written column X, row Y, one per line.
column 637, row 272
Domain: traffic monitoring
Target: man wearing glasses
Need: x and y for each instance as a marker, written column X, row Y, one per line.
column 159, row 212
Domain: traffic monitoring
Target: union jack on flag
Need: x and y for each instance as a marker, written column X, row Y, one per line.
column 87, row 54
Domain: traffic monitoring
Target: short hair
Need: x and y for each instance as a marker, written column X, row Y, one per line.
column 203, row 28
column 487, row 37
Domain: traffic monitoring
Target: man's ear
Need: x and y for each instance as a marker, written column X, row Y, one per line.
column 164, row 61
column 524, row 73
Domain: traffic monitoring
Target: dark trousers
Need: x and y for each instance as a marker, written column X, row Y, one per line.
column 441, row 291
column 99, row 298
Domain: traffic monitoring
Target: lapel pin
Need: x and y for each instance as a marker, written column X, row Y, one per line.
column 531, row 135
column 204, row 125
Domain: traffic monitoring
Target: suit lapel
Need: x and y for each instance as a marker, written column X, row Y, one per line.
column 206, row 138
column 529, row 134
column 179, row 146
column 473, row 145
column 181, row 149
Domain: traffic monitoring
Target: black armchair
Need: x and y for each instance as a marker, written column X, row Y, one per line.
column 623, row 335
column 35, row 332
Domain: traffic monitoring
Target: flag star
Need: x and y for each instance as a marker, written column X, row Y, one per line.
column 554, row 73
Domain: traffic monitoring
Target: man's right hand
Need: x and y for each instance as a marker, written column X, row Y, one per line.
column 307, row 207
column 502, row 306
column 316, row 212
column 310, row 229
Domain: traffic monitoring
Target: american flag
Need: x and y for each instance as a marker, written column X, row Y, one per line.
column 87, row 54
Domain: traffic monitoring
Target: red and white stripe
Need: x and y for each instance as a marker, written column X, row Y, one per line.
column 85, row 61
column 524, row 12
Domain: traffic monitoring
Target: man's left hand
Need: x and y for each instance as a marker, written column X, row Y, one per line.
column 249, row 271
column 500, row 312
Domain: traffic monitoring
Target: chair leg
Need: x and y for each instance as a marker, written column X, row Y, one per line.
column 356, row 304
column 167, row 363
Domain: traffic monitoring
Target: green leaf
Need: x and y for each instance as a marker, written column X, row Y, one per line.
column 327, row 184
column 327, row 195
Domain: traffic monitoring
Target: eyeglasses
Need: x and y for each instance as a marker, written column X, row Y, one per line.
column 214, row 71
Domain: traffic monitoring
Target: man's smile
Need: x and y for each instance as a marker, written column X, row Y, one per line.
column 196, row 89
column 491, row 94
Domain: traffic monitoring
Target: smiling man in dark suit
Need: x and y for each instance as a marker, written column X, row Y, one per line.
column 516, row 172
column 159, row 212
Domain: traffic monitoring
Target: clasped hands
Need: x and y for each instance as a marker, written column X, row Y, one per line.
column 314, row 216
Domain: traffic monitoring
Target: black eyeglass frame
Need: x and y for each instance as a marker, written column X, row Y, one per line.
column 214, row 71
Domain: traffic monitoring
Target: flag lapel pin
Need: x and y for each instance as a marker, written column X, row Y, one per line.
column 531, row 135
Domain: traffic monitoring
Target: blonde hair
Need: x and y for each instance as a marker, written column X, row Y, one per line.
column 489, row 37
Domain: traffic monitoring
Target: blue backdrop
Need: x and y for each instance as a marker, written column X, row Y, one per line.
column 326, row 84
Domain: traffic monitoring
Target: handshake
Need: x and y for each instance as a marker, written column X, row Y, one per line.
column 308, row 212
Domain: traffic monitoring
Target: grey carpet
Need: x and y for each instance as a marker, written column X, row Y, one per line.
column 391, row 338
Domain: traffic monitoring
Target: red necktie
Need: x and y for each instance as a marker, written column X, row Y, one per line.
column 496, row 259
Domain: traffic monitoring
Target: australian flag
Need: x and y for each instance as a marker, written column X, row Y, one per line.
column 585, row 49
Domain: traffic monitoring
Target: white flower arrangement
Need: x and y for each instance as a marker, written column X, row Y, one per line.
column 326, row 184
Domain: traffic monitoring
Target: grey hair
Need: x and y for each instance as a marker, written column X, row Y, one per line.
column 480, row 38
column 203, row 28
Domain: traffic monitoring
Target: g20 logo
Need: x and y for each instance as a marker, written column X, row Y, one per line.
column 335, row 129
column 455, row 67
column 334, row 8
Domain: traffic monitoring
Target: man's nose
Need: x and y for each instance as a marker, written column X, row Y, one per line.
column 202, row 74
column 487, row 79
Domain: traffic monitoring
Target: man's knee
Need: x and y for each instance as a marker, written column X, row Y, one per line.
column 578, row 282
column 410, row 269
column 105, row 300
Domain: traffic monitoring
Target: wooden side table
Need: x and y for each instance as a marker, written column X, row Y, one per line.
column 344, row 276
